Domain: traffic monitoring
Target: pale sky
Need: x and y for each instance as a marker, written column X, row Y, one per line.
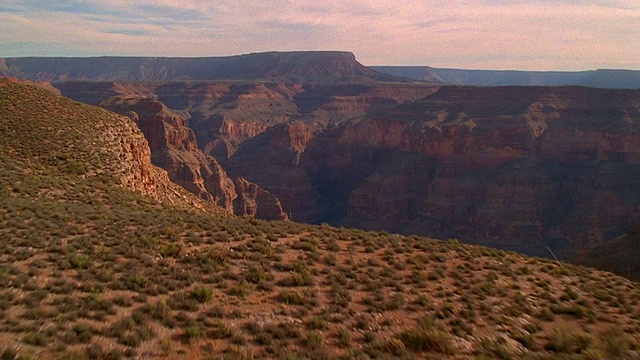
column 471, row 34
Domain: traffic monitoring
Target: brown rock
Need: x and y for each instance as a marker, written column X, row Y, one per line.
column 174, row 148
column 255, row 202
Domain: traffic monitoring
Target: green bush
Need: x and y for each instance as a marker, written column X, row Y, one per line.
column 203, row 295
column 79, row 261
column 426, row 337
column 193, row 332
column 568, row 342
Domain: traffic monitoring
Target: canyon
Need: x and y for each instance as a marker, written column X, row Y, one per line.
column 531, row 169
column 104, row 257
column 525, row 168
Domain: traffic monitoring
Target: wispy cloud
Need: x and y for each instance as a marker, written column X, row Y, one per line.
column 518, row 34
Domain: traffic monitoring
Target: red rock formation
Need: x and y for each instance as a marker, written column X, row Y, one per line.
column 255, row 202
column 505, row 167
column 174, row 148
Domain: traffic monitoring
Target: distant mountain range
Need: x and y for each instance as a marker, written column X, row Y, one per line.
column 318, row 66
column 295, row 66
column 601, row 78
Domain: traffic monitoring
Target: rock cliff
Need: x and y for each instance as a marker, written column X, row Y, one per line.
column 255, row 202
column 174, row 148
column 49, row 133
column 601, row 78
column 507, row 167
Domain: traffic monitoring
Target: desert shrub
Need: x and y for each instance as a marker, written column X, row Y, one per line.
column 171, row 250
column 568, row 342
column 221, row 329
column 615, row 342
column 79, row 261
column 257, row 274
column 135, row 282
column 82, row 333
column 302, row 298
column 241, row 290
column 394, row 346
column 193, row 332
column 303, row 277
column 425, row 336
column 574, row 310
column 203, row 295
column 36, row 339
column 313, row 339
column 569, row 295
column 317, row 323
column 494, row 349
column 292, row 297
column 343, row 337
column 184, row 301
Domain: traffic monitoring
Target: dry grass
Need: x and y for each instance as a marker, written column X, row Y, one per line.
column 89, row 270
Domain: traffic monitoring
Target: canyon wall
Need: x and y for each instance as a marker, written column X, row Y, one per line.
column 174, row 148
column 523, row 168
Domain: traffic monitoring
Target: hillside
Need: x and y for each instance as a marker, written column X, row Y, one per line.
column 601, row 78
column 62, row 142
column 93, row 270
column 320, row 66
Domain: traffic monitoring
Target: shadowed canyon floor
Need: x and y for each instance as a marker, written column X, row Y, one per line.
column 102, row 257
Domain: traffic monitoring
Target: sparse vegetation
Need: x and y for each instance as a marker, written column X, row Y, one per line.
column 89, row 269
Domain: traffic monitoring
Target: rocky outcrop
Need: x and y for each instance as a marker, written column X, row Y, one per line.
column 619, row 256
column 83, row 142
column 517, row 168
column 255, row 202
column 174, row 148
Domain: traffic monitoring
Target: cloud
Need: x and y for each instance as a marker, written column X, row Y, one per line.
column 499, row 34
column 132, row 32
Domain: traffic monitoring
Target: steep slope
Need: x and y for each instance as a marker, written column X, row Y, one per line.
column 228, row 116
column 174, row 148
column 57, row 134
column 321, row 66
column 601, row 78
column 91, row 269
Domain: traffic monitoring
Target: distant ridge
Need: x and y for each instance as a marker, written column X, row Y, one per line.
column 321, row 66
column 601, row 78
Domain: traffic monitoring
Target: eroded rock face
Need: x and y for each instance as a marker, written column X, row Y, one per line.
column 513, row 167
column 255, row 202
column 517, row 168
column 174, row 148
column 313, row 66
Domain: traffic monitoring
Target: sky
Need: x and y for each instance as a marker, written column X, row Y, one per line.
column 567, row 35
